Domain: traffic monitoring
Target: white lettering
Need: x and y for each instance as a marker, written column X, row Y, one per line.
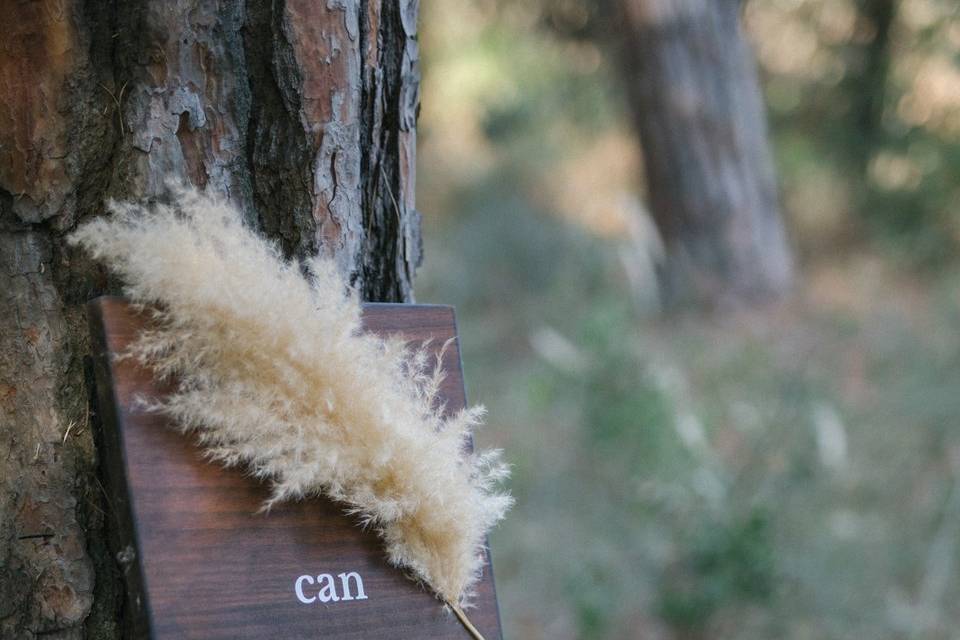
column 345, row 583
column 299, row 589
column 328, row 590
column 323, row 588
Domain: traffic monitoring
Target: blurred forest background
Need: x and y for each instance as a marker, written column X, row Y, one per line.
column 784, row 465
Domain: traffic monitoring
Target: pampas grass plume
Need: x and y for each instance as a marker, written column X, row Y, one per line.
column 274, row 373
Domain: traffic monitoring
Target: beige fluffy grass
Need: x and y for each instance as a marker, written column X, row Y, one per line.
column 274, row 373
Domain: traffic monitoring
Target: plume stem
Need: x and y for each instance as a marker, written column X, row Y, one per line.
column 465, row 621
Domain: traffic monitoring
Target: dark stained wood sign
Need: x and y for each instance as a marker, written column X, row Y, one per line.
column 201, row 562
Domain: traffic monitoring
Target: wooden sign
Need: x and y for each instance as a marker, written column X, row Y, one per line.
column 201, row 562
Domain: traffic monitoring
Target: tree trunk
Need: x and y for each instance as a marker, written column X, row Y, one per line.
column 301, row 112
column 867, row 86
column 693, row 91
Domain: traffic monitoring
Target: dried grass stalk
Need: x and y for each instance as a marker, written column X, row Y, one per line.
column 273, row 373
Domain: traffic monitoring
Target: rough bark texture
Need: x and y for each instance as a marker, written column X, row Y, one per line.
column 301, row 112
column 693, row 90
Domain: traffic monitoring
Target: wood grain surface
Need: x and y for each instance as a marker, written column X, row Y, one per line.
column 201, row 562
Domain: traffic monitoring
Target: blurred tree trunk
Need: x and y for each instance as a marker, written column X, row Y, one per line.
column 866, row 85
column 696, row 103
column 301, row 112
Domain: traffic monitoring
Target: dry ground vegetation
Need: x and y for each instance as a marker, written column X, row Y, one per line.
column 788, row 471
column 791, row 471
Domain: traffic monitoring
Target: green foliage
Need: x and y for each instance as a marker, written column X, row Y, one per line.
column 867, row 111
column 726, row 564
column 748, row 534
column 780, row 473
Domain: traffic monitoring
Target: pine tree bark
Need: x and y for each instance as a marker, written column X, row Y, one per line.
column 301, row 112
column 693, row 92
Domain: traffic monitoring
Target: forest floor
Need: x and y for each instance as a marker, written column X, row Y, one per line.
column 788, row 471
